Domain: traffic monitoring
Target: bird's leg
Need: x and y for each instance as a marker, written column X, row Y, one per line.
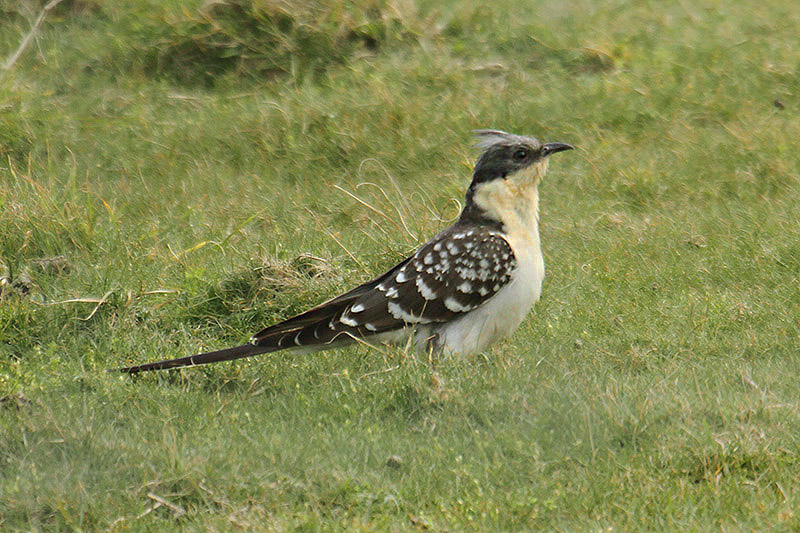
column 434, row 346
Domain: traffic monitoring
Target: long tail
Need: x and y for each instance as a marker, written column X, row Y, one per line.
column 228, row 354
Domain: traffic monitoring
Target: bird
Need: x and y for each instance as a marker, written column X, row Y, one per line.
column 469, row 286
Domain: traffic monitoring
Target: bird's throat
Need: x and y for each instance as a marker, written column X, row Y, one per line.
column 514, row 201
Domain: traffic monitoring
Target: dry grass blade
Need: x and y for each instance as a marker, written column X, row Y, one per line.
column 342, row 246
column 160, row 291
column 368, row 206
column 98, row 301
column 178, row 510
column 12, row 59
column 400, row 196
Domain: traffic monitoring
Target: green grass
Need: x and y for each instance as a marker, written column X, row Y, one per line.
column 193, row 167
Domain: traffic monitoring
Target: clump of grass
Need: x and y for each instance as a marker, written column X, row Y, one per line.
column 266, row 282
column 275, row 37
column 261, row 293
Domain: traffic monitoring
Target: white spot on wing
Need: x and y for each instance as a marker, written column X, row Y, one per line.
column 392, row 292
column 401, row 277
column 347, row 321
column 401, row 314
column 453, row 305
column 467, row 273
column 357, row 308
column 424, row 290
column 465, row 287
column 370, row 327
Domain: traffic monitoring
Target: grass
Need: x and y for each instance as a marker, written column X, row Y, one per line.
column 193, row 193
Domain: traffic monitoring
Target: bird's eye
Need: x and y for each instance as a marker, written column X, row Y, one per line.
column 520, row 154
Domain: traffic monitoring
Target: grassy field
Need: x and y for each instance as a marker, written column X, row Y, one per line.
column 172, row 179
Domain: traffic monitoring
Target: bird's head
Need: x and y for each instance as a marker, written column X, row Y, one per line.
column 514, row 158
column 507, row 172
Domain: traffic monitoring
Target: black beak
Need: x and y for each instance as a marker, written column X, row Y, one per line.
column 551, row 148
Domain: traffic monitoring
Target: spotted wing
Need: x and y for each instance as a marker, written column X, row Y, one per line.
column 452, row 274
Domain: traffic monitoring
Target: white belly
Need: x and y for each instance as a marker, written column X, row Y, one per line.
column 501, row 315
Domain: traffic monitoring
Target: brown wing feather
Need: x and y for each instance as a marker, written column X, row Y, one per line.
column 452, row 274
